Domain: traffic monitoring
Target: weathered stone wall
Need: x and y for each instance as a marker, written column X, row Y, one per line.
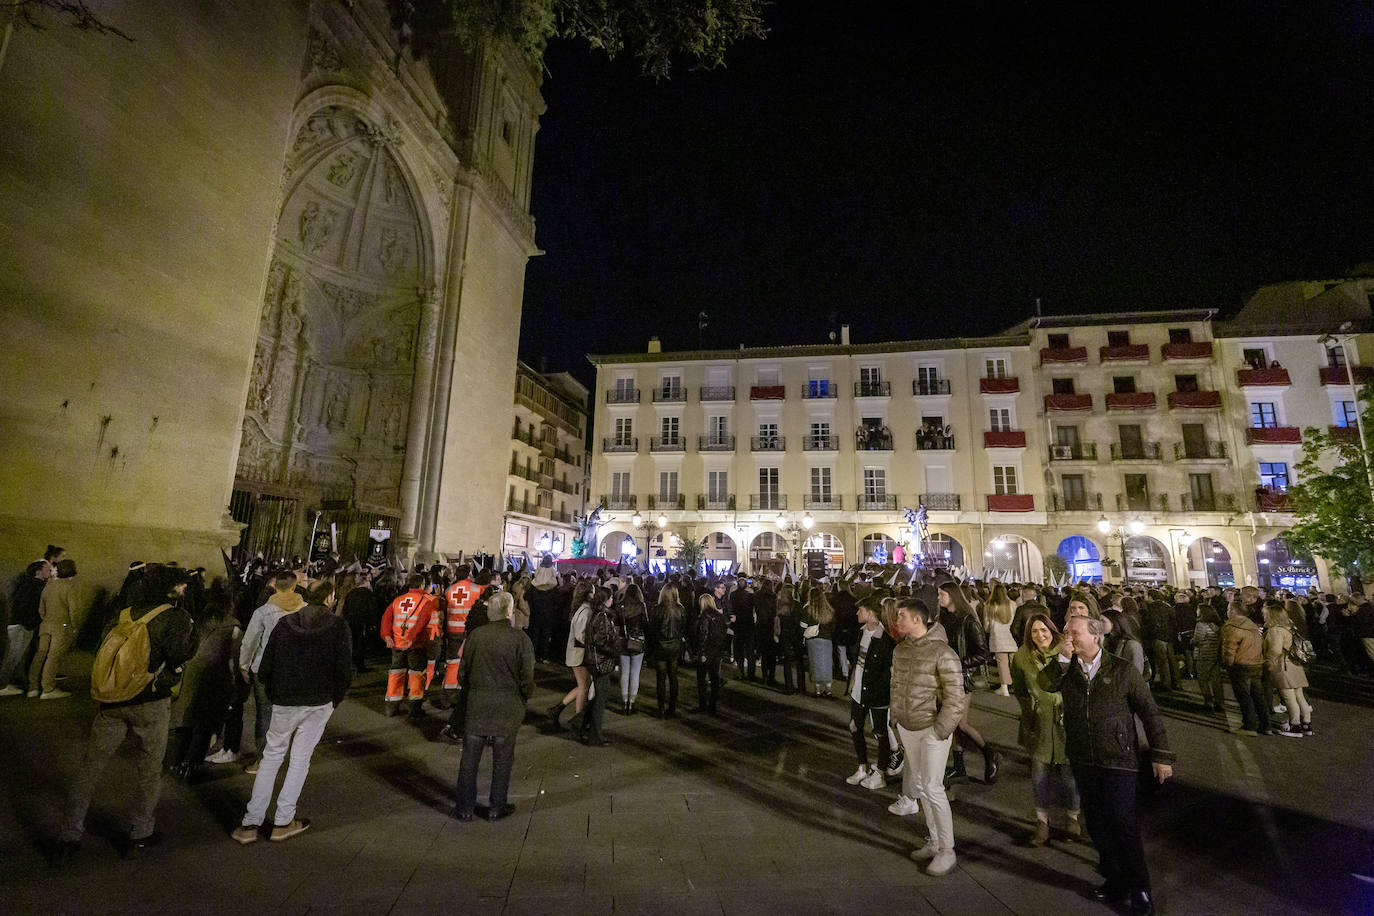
column 139, row 186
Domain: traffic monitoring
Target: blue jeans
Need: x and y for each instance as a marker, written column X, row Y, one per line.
column 820, row 652
column 502, row 763
column 629, row 676
column 1051, row 783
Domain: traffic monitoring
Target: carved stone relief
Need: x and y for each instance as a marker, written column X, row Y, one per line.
column 320, row 54
column 317, row 224
column 392, row 251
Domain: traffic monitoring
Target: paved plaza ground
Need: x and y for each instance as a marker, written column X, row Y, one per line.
column 744, row 813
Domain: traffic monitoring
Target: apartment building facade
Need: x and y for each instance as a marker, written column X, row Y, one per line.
column 1156, row 446
column 546, row 484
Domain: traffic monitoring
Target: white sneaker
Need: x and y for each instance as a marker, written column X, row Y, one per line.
column 928, row 851
column 12, row 691
column 942, row 864
column 875, row 780
column 859, row 776
column 904, row 805
column 54, row 695
column 32, row 694
column 222, row 756
column 1280, row 710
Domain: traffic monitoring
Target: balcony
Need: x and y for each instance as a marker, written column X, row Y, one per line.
column 767, row 443
column 1273, row 435
column 933, row 440
column 1053, row 355
column 670, row 395
column 661, row 501
column 667, row 444
column 620, row 444
column 1341, row 375
column 940, row 502
column 1011, row 502
column 1276, row 377
column 820, row 443
column 1345, row 433
column 717, row 393
column 830, row 501
column 767, row 501
column 872, row 389
column 523, row 506
column 622, row 395
column 999, row 385
column 1172, row 352
column 524, row 473
column 1129, row 353
column 873, row 442
column 1077, row 451
column 1086, row 502
column 1004, row 438
column 886, row 503
column 1135, row 451
column 767, row 392
column 618, row 502
column 1268, row 499
column 561, row 517
column 707, row 502
column 1139, row 503
column 818, row 389
column 1068, row 402
column 1207, row 450
column 1133, row 400
column 1194, row 400
column 929, row 388
column 715, row 443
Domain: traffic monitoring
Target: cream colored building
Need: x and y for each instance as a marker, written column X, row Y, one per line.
column 284, row 296
column 1120, row 441
column 547, row 479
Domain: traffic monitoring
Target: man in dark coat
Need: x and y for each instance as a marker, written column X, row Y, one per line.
column 495, row 681
column 361, row 614
column 1103, row 695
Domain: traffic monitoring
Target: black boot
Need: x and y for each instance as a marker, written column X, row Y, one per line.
column 957, row 773
column 555, row 711
column 991, row 764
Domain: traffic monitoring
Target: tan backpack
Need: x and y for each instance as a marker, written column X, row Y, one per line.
column 121, row 670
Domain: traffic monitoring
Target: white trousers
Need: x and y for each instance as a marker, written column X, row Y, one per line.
column 926, row 756
column 296, row 727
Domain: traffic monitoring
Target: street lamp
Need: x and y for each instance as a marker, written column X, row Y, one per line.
column 793, row 529
column 640, row 522
column 1135, row 526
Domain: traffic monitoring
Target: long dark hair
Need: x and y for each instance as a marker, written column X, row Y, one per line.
column 1026, row 643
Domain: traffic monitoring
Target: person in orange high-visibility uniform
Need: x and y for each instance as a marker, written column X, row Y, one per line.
column 408, row 625
column 458, row 601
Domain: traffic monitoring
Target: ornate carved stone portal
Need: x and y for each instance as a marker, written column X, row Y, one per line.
column 329, row 400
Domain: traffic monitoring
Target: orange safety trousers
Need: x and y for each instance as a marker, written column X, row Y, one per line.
column 453, row 656
column 410, row 673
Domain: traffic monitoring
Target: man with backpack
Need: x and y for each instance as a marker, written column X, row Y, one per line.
column 138, row 663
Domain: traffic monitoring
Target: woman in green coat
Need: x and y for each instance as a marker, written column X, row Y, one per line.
column 1042, row 727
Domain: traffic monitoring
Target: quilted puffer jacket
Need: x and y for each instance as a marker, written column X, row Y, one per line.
column 927, row 685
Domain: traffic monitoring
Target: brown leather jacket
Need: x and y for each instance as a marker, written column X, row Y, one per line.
column 927, row 685
column 1241, row 643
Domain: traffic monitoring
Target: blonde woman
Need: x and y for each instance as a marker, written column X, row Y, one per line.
column 575, row 657
column 1283, row 673
column 999, row 611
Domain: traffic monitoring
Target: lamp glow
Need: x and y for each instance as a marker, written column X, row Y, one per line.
column 637, row 520
column 1103, row 525
column 1136, row 526
column 662, row 520
column 781, row 520
column 808, row 521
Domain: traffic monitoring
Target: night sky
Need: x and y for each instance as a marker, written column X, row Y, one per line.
column 919, row 172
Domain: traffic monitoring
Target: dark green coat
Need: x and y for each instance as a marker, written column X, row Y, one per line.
column 1042, row 709
column 497, row 678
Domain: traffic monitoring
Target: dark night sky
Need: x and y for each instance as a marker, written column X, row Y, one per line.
column 919, row 172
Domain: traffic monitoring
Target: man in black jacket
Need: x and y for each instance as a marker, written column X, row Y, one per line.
column 171, row 642
column 306, row 669
column 1102, row 696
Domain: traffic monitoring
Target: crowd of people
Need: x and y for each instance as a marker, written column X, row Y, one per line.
column 904, row 650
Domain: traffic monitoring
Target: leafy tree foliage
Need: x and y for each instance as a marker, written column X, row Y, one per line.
column 1331, row 500
column 692, row 553
column 656, row 33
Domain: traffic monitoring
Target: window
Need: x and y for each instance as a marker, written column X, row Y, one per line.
column 1263, row 415
column 820, row 430
column 1075, row 494
column 768, row 488
column 1132, row 443
column 669, row 430
column 1185, row 383
column 1061, row 385
column 875, row 485
column 995, row 367
column 820, row 485
column 768, row 434
column 1066, row 436
column 1123, row 384
column 1345, row 414
column 928, row 379
column 1201, row 493
column 722, row 540
column 870, row 376
column 1274, row 475
column 1003, row 479
column 667, row 487
column 1335, row 356
column 670, row 386
column 1118, row 338
column 933, row 422
column 1058, row 341
column 718, row 486
column 1255, row 358
column 818, row 388
column 625, row 386
column 1194, row 440
column 1137, row 492
column 999, row 419
column 1180, row 336
column 768, row 378
column 720, row 428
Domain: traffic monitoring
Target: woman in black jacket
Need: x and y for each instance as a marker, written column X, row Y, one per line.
column 630, row 621
column 965, row 636
column 869, row 695
column 710, row 643
column 765, row 610
column 665, row 645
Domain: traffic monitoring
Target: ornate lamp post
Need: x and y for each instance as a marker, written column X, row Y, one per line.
column 793, row 529
column 1135, row 526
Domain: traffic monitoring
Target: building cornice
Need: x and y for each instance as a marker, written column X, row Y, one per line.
column 813, row 350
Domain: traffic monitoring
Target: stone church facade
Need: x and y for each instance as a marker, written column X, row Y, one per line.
column 263, row 276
